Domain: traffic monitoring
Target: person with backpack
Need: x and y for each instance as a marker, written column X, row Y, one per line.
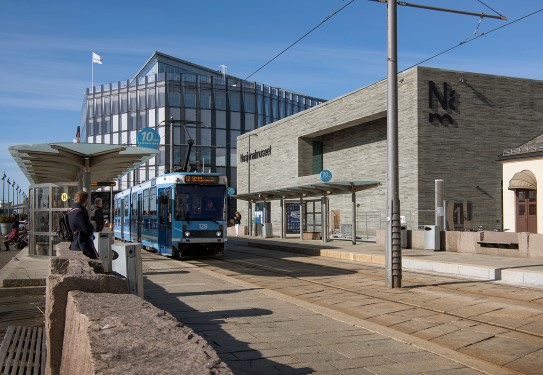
column 80, row 224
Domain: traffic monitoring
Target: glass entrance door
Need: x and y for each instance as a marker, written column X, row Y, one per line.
column 312, row 218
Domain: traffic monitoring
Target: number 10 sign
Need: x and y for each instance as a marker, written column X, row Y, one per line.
column 148, row 137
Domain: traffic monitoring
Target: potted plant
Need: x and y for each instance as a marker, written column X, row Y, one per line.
column 6, row 222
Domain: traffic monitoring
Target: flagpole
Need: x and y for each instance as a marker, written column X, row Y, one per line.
column 92, row 74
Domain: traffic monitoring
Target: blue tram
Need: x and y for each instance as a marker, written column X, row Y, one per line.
column 176, row 214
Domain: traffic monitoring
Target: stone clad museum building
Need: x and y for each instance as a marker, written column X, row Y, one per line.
column 452, row 126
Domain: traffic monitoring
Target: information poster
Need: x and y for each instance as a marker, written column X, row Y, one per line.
column 293, row 218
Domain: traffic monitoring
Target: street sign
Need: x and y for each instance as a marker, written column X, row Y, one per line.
column 325, row 175
column 231, row 191
column 149, row 138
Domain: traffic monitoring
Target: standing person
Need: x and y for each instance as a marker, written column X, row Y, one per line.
column 12, row 236
column 97, row 216
column 237, row 221
column 79, row 221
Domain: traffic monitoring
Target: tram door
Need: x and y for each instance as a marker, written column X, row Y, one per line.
column 165, row 226
column 133, row 218
column 121, row 217
column 140, row 216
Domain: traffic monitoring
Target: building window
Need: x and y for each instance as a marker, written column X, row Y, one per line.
column 317, row 165
column 174, row 96
column 190, row 97
column 249, row 102
column 220, row 99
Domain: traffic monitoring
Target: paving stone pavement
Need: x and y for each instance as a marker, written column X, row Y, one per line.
column 256, row 331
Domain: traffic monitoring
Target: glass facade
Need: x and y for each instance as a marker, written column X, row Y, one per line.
column 166, row 87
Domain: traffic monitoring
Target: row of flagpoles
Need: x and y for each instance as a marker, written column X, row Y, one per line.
column 96, row 59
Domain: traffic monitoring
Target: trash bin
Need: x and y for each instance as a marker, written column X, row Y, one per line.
column 102, row 242
column 403, row 237
column 431, row 237
column 267, row 230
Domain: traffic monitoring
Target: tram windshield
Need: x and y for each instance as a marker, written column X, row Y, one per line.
column 199, row 202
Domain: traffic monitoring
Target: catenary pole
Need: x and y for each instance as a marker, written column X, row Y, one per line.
column 393, row 250
column 393, row 244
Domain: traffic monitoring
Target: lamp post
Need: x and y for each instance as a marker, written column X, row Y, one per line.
column 250, row 207
column 9, row 184
column 24, row 203
column 13, row 194
column 3, row 190
column 18, row 193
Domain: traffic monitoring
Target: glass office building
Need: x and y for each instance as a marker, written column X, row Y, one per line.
column 216, row 107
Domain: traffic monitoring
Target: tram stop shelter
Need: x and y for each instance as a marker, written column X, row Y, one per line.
column 56, row 171
column 322, row 190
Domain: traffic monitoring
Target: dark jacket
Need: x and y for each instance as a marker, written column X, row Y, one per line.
column 237, row 219
column 79, row 221
column 98, row 218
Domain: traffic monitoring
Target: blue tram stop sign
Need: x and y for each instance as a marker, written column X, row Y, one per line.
column 325, row 175
column 148, row 137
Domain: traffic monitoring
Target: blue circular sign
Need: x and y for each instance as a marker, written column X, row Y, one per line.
column 148, row 137
column 231, row 191
column 326, row 175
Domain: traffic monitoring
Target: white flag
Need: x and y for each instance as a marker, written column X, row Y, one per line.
column 97, row 59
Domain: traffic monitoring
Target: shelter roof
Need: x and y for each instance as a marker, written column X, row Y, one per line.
column 311, row 190
column 63, row 162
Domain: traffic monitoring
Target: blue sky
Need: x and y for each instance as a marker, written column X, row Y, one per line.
column 45, row 58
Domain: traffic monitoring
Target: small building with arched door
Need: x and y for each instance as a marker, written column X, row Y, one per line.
column 523, row 187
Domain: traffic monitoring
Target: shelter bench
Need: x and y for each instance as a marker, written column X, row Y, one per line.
column 499, row 245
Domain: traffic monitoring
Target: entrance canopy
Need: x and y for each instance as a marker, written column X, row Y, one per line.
column 312, row 190
column 523, row 180
column 65, row 162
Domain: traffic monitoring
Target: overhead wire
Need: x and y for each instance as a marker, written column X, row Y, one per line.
column 297, row 41
column 300, row 38
column 467, row 40
column 474, row 38
column 492, row 9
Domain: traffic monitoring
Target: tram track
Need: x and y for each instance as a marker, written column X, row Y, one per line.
column 276, row 266
column 413, row 305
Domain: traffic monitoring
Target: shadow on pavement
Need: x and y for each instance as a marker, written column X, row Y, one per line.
column 237, row 354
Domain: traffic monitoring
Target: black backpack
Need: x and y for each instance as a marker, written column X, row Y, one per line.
column 64, row 230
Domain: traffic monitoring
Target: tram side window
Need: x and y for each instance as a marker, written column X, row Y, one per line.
column 152, row 202
column 126, row 222
column 146, row 202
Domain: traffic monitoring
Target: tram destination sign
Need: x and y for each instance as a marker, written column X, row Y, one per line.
column 104, row 183
column 201, row 179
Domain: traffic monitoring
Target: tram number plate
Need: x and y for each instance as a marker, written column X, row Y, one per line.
column 202, row 226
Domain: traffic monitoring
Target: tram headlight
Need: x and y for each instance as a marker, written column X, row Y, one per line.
column 187, row 233
column 218, row 233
